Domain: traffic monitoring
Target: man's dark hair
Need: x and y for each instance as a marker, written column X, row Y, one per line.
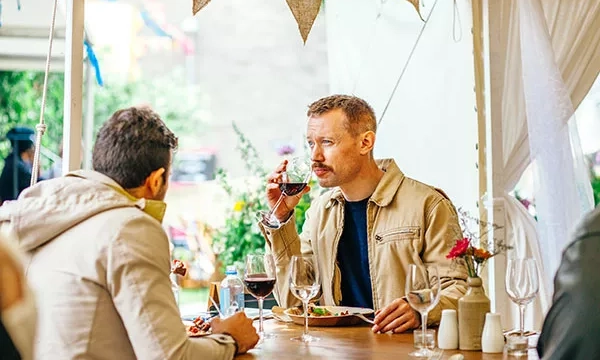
column 132, row 144
column 21, row 138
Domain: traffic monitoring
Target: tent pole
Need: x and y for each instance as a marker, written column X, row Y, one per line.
column 89, row 115
column 479, row 66
column 72, row 123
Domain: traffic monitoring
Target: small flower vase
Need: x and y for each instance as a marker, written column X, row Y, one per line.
column 472, row 308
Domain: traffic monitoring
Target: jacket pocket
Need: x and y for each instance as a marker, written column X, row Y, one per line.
column 405, row 233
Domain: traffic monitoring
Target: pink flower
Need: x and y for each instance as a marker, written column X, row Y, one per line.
column 459, row 249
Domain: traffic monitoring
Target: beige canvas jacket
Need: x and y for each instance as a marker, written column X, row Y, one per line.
column 98, row 261
column 408, row 222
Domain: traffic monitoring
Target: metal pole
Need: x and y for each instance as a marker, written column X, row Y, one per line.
column 497, row 37
column 89, row 115
column 72, row 123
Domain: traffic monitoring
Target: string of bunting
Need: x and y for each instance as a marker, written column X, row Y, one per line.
column 305, row 12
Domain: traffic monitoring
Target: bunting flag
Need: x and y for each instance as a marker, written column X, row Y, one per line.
column 417, row 6
column 305, row 12
column 93, row 61
column 198, row 5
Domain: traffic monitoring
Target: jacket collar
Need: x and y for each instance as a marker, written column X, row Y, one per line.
column 154, row 208
column 385, row 190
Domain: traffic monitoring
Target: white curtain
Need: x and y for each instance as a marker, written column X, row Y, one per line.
column 543, row 61
column 430, row 126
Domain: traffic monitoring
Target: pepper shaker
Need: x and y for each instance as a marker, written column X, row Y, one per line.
column 492, row 338
column 448, row 330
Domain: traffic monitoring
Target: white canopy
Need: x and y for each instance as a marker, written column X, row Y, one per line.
column 538, row 60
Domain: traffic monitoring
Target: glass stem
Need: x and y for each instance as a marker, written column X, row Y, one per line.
column 305, row 306
column 260, row 316
column 424, row 329
column 276, row 204
column 522, row 319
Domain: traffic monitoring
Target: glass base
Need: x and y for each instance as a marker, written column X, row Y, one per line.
column 305, row 338
column 265, row 335
column 516, row 346
column 426, row 354
column 269, row 220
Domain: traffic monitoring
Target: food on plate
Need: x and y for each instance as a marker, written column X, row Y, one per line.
column 200, row 327
column 316, row 311
column 178, row 267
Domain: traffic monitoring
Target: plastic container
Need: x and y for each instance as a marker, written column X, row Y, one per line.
column 231, row 295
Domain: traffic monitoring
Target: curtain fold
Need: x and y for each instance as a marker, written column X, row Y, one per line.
column 548, row 59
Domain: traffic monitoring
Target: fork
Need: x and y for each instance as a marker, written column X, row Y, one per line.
column 363, row 318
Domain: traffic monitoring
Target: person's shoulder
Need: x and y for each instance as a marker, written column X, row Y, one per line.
column 586, row 238
column 422, row 190
column 589, row 225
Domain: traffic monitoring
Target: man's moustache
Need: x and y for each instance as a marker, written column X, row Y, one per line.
column 320, row 167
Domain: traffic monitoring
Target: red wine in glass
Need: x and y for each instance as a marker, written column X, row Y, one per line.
column 259, row 285
column 291, row 188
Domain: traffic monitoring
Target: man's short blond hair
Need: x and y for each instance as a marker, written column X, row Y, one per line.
column 360, row 116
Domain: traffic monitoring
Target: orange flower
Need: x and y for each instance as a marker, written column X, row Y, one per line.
column 481, row 254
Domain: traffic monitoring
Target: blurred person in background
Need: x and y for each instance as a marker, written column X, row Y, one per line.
column 16, row 174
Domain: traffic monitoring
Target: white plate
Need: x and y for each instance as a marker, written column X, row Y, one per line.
column 331, row 320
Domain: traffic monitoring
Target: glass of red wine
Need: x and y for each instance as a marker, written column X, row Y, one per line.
column 259, row 279
column 294, row 180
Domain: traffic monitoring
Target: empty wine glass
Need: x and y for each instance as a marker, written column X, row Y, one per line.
column 423, row 294
column 294, row 180
column 259, row 278
column 304, row 284
column 522, row 285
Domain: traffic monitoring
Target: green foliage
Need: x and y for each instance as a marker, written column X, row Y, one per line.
column 178, row 105
column 241, row 235
column 21, row 98
column 21, row 101
column 596, row 189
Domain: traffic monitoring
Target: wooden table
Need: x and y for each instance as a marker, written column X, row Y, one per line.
column 357, row 342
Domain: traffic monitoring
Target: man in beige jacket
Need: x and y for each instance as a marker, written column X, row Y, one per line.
column 98, row 258
column 370, row 227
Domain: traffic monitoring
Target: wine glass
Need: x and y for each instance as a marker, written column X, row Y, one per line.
column 522, row 285
column 294, row 180
column 423, row 294
column 259, row 278
column 304, row 284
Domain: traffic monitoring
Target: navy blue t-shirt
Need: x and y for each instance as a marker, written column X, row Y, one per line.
column 353, row 257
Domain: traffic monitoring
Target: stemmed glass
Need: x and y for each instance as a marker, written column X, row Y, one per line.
column 522, row 285
column 304, row 284
column 259, row 278
column 294, row 180
column 423, row 294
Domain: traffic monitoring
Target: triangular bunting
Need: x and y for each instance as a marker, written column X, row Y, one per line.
column 198, row 5
column 305, row 12
column 417, row 6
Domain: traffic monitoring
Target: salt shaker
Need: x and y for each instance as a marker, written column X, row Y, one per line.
column 448, row 330
column 492, row 338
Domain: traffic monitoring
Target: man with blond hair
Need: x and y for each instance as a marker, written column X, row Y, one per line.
column 371, row 225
